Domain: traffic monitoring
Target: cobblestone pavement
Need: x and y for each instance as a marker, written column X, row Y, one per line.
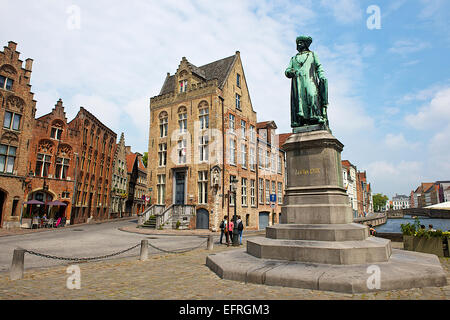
column 174, row 276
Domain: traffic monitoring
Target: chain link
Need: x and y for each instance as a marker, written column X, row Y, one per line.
column 80, row 259
column 184, row 250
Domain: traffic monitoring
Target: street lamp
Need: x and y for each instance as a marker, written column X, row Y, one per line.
column 235, row 227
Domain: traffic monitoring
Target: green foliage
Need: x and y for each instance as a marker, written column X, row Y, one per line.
column 178, row 224
column 145, row 159
column 413, row 229
column 379, row 201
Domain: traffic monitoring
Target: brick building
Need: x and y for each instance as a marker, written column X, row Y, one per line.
column 96, row 155
column 364, row 195
column 203, row 135
column 17, row 110
column 136, row 183
column 349, row 172
column 52, row 164
column 119, row 180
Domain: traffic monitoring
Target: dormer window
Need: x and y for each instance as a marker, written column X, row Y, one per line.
column 56, row 133
column 238, row 102
column 238, row 80
column 183, row 85
column 6, row 83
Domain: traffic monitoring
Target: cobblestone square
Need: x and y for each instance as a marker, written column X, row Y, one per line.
column 175, row 277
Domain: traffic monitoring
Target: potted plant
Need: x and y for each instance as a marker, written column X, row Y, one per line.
column 422, row 240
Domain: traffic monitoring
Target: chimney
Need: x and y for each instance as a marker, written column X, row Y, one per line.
column 12, row 45
column 29, row 64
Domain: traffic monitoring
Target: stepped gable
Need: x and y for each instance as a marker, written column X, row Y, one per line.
column 215, row 70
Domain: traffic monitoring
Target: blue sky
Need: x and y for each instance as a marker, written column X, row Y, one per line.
column 389, row 87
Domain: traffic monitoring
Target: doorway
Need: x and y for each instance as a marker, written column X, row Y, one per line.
column 202, row 219
column 263, row 220
column 180, row 186
column 2, row 204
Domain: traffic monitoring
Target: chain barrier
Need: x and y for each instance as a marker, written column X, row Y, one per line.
column 80, row 259
column 184, row 250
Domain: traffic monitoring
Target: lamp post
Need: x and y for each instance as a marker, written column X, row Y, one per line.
column 235, row 227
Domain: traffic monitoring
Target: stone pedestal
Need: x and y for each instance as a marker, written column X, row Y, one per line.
column 316, row 238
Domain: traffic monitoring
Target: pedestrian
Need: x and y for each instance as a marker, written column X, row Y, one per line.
column 230, row 232
column 372, row 230
column 430, row 227
column 240, row 228
column 223, row 225
column 422, row 227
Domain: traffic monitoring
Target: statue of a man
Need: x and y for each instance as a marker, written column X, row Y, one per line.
column 309, row 87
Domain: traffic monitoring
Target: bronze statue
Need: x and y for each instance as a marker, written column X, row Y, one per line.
column 309, row 87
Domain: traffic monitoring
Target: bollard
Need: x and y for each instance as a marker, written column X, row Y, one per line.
column 144, row 250
column 17, row 265
column 210, row 244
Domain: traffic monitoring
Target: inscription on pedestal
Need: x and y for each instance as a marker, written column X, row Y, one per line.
column 301, row 172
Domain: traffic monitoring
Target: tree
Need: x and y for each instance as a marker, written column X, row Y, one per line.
column 379, row 201
column 145, row 159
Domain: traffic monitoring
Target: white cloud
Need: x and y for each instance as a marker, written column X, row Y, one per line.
column 434, row 114
column 405, row 47
column 344, row 11
column 398, row 142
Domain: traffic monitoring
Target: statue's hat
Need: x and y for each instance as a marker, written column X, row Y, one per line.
column 306, row 39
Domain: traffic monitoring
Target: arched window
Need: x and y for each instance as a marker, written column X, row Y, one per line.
column 163, row 124
column 182, row 119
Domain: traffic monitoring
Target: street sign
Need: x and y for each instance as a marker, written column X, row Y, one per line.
column 273, row 197
column 272, row 205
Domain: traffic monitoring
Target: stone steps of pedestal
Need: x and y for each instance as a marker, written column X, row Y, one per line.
column 320, row 232
column 370, row 250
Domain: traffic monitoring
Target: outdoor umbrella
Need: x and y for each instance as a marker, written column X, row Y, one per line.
column 33, row 202
column 56, row 203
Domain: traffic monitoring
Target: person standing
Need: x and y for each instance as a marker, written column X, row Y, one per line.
column 223, row 226
column 230, row 232
column 240, row 227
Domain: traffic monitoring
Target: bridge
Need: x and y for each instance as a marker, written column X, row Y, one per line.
column 374, row 220
column 422, row 212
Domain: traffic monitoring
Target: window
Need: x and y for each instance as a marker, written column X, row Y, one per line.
column 247, row 220
column 261, row 190
column 182, row 151
column 244, row 192
column 6, row 83
column 279, row 164
column 204, row 118
column 238, row 102
column 243, row 130
column 261, row 158
column 7, row 158
column 182, row 120
column 267, row 159
column 267, row 192
column 244, row 156
column 83, row 156
column 56, row 133
column 203, row 148
column 161, row 187
column 274, row 169
column 62, row 166
column 203, row 187
column 163, row 124
column 252, row 134
column 42, row 165
column 12, row 120
column 231, row 125
column 252, row 159
column 162, row 154
column 232, row 151
column 274, row 191
column 183, row 85
column 238, row 80
column 252, row 193
column 85, row 132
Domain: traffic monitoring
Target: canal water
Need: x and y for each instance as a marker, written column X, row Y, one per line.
column 393, row 225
